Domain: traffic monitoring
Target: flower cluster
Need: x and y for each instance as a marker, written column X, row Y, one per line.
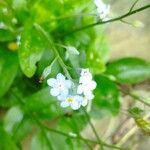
column 70, row 93
column 102, row 9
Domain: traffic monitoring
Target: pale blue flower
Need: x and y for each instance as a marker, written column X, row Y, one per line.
column 87, row 85
column 59, row 86
column 74, row 102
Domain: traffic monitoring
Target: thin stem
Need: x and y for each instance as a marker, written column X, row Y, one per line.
column 135, row 97
column 131, row 132
column 110, row 20
column 47, row 37
column 79, row 137
column 136, row 1
column 63, row 133
column 93, row 128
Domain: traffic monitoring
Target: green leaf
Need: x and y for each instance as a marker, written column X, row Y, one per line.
column 129, row 70
column 6, row 35
column 31, row 50
column 49, row 140
column 106, row 97
column 6, row 143
column 43, row 104
column 8, row 70
column 39, row 142
column 13, row 117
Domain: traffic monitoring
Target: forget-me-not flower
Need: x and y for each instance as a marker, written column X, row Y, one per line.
column 74, row 102
column 59, row 86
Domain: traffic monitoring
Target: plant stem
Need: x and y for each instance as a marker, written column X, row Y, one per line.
column 136, row 1
column 135, row 97
column 129, row 13
column 63, row 133
column 50, row 43
column 94, row 130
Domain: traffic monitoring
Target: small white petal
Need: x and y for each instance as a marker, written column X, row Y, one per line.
column 60, row 77
column 84, row 102
column 64, row 92
column 84, row 79
column 75, row 105
column 89, row 95
column 52, row 82
column 80, row 89
column 92, row 85
column 68, row 84
column 54, row 92
column 61, row 97
column 64, row 104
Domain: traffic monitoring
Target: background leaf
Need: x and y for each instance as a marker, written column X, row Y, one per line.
column 31, row 50
column 8, row 70
column 6, row 143
column 106, row 97
column 129, row 70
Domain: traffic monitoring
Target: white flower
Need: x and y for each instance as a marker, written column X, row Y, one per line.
column 87, row 88
column 74, row 101
column 102, row 9
column 60, row 86
column 87, row 85
column 85, row 75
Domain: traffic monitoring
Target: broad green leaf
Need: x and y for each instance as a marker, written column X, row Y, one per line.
column 129, row 70
column 73, row 122
column 39, row 142
column 106, row 96
column 8, row 70
column 43, row 104
column 24, row 128
column 17, row 124
column 49, row 140
column 6, row 35
column 6, row 143
column 13, row 117
column 31, row 50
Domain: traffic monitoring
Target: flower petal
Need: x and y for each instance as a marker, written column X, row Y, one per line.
column 54, row 92
column 92, row 85
column 75, row 105
column 84, row 102
column 61, row 97
column 89, row 95
column 60, row 77
column 64, row 104
column 64, row 92
column 68, row 84
column 80, row 89
column 52, row 82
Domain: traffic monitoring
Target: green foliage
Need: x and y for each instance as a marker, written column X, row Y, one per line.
column 8, row 70
column 129, row 70
column 51, row 43
column 31, row 50
column 106, row 97
column 6, row 141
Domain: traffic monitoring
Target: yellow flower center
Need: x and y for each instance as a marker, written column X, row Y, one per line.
column 70, row 99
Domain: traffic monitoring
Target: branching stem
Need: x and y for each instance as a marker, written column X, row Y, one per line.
column 129, row 13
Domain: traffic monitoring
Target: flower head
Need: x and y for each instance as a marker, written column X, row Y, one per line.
column 59, row 86
column 73, row 101
column 73, row 96
column 102, row 9
column 87, row 85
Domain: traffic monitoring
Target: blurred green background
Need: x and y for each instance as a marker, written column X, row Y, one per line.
column 33, row 34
